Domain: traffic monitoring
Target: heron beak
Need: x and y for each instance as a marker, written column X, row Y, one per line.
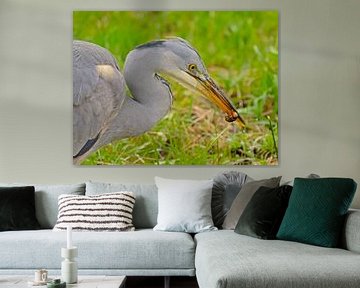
column 210, row 90
column 207, row 88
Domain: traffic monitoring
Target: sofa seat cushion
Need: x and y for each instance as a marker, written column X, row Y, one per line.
column 226, row 259
column 146, row 204
column 141, row 249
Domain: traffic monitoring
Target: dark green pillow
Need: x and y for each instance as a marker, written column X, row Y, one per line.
column 17, row 208
column 316, row 211
column 263, row 214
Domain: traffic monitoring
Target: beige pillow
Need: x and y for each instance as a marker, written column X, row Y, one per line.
column 243, row 198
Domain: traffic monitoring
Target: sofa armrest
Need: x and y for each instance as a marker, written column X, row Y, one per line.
column 351, row 234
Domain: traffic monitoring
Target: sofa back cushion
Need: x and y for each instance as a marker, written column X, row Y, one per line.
column 146, row 204
column 46, row 200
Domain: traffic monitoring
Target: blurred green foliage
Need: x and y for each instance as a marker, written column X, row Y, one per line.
column 240, row 50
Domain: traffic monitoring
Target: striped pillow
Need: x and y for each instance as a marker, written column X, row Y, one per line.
column 105, row 212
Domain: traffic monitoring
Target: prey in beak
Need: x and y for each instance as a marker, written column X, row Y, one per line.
column 210, row 90
column 205, row 86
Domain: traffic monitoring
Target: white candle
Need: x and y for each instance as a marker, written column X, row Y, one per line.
column 69, row 237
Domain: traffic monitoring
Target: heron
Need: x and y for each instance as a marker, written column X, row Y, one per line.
column 103, row 110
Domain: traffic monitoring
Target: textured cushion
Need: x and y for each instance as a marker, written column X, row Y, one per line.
column 263, row 215
column 46, row 200
column 316, row 211
column 184, row 205
column 106, row 212
column 243, row 198
column 146, row 205
column 226, row 187
column 17, row 208
column 225, row 259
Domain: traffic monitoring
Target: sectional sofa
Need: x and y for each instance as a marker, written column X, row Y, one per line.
column 218, row 258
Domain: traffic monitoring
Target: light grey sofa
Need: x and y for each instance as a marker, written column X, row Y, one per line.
column 218, row 259
column 143, row 252
column 226, row 259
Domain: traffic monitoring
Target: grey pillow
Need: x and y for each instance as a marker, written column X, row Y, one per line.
column 310, row 176
column 146, row 204
column 46, row 200
column 225, row 189
column 184, row 205
column 243, row 198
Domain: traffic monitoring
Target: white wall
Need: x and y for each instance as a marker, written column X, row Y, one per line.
column 319, row 91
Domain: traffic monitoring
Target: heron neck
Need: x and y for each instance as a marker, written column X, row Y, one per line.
column 151, row 97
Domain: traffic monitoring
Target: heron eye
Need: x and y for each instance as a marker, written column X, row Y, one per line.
column 192, row 67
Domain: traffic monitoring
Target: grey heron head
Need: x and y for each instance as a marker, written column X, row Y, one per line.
column 183, row 63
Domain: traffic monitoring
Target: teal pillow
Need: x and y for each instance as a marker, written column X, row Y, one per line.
column 316, row 211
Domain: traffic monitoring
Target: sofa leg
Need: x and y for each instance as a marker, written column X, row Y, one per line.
column 167, row 282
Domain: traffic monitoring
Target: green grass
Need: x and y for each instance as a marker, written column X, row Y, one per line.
column 240, row 50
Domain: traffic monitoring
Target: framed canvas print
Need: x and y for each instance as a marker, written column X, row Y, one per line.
column 175, row 87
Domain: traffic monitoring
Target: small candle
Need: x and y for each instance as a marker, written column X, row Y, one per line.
column 69, row 237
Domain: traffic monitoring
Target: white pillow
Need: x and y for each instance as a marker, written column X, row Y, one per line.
column 184, row 205
column 104, row 212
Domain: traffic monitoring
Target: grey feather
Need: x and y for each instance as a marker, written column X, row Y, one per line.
column 97, row 98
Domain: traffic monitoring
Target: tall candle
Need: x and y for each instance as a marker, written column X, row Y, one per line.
column 69, row 237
